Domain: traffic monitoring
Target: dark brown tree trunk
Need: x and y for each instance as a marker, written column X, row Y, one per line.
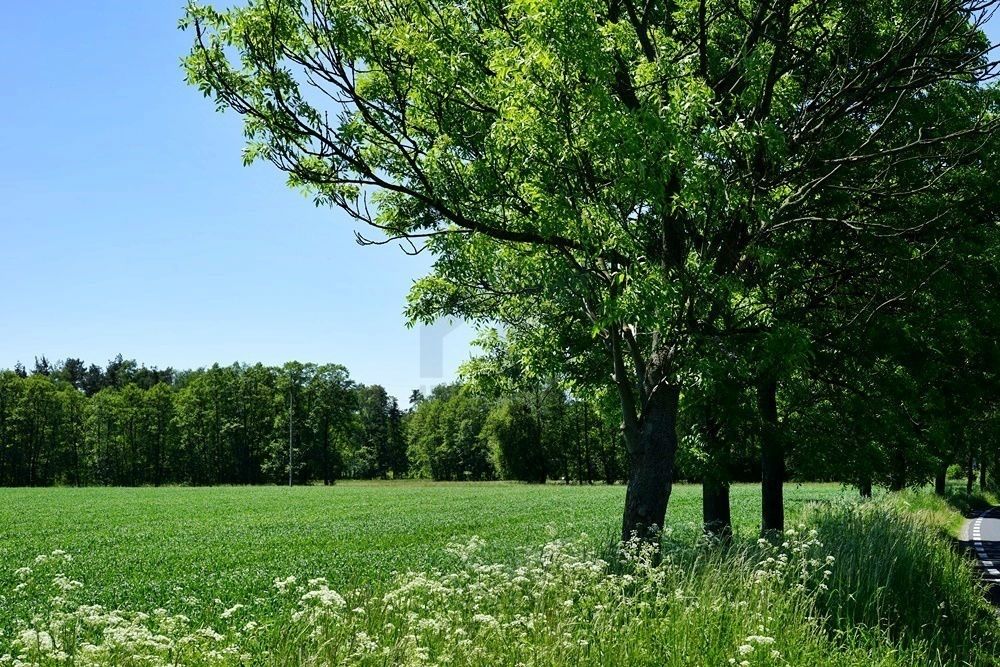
column 772, row 460
column 982, row 473
column 715, row 508
column 327, row 474
column 543, row 473
column 608, row 458
column 970, row 476
column 897, row 477
column 865, row 487
column 941, row 479
column 652, row 450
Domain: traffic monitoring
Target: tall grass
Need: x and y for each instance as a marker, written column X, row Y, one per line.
column 899, row 575
column 864, row 584
column 946, row 512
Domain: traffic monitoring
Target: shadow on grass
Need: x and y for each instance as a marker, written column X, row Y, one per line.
column 968, row 504
column 896, row 576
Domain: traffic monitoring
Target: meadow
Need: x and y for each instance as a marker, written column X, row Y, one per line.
column 423, row 573
column 160, row 546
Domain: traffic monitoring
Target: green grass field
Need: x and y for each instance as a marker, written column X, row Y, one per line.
column 534, row 588
column 159, row 547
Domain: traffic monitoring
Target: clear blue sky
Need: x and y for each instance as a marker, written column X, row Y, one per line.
column 129, row 225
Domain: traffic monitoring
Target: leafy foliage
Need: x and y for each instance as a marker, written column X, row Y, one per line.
column 231, row 425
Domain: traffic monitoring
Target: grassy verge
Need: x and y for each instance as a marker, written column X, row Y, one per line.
column 900, row 576
column 948, row 512
column 857, row 584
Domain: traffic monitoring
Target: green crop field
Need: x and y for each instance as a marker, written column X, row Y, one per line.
column 161, row 547
column 329, row 575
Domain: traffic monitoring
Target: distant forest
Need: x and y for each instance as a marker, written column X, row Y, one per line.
column 69, row 423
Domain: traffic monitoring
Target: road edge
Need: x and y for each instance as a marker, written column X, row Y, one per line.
column 972, row 535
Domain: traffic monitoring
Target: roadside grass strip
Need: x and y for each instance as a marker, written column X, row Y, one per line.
column 976, row 535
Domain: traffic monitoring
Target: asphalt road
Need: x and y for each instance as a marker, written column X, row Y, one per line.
column 982, row 536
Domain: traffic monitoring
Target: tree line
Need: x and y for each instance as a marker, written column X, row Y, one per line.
column 127, row 424
column 464, row 430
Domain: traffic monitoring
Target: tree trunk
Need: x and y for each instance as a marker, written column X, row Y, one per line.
column 970, row 476
column 941, row 480
column 772, row 460
column 652, row 450
column 543, row 474
column 897, row 477
column 715, row 508
column 865, row 487
column 326, row 455
column 982, row 473
column 608, row 458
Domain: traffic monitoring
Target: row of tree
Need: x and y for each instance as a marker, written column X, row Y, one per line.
column 126, row 424
column 131, row 425
column 540, row 433
column 234, row 425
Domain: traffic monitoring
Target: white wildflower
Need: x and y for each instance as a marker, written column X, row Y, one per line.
column 284, row 584
column 232, row 610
